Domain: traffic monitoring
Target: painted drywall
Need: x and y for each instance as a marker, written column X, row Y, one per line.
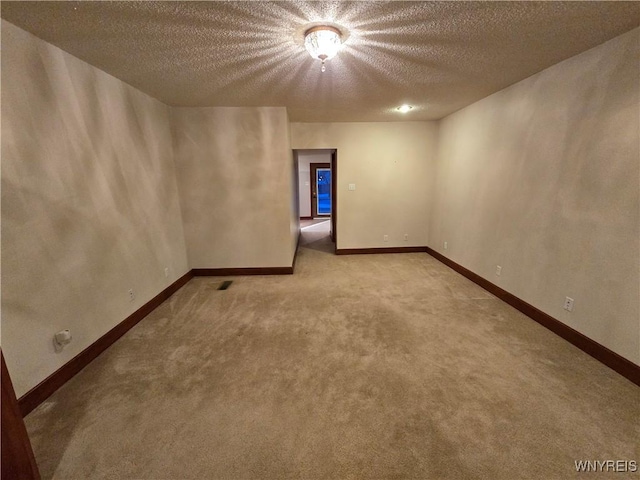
column 542, row 179
column 304, row 186
column 235, row 176
column 304, row 183
column 89, row 204
column 294, row 202
column 389, row 163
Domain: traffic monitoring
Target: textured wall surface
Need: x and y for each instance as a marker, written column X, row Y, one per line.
column 292, row 194
column 390, row 165
column 89, row 203
column 304, row 187
column 542, row 179
column 235, row 173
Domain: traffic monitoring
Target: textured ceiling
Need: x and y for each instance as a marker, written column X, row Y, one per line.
column 437, row 56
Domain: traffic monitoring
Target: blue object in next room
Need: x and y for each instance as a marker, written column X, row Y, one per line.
column 324, row 191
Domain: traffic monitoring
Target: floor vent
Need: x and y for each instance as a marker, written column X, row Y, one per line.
column 224, row 285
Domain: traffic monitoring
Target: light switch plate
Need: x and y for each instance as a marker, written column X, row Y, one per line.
column 352, row 186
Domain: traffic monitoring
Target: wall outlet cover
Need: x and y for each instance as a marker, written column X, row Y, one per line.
column 568, row 304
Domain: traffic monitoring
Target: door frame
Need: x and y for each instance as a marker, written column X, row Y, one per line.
column 334, row 197
column 334, row 186
column 312, row 191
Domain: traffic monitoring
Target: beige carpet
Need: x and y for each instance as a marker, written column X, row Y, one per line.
column 308, row 222
column 366, row 366
column 315, row 236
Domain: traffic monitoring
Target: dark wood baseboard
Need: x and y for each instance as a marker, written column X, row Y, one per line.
column 367, row 251
column 44, row 389
column 306, row 218
column 624, row 367
column 232, row 272
column 53, row 382
column 18, row 461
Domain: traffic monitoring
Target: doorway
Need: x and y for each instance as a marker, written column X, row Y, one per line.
column 317, row 192
column 320, row 181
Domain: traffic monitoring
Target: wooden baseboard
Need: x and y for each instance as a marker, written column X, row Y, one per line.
column 624, row 367
column 18, row 461
column 44, row 389
column 232, row 272
column 53, row 382
column 367, row 251
column 306, row 218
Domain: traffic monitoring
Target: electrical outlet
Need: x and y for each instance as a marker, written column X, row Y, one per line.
column 446, row 245
column 498, row 270
column 568, row 304
column 60, row 339
column 166, row 271
column 406, row 237
column 385, row 238
column 132, row 295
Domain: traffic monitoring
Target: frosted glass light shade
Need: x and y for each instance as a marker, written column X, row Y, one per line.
column 322, row 42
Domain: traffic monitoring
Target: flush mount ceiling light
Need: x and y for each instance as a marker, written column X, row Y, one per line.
column 404, row 108
column 323, row 42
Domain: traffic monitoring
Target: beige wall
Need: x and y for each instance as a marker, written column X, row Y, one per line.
column 235, row 175
column 293, row 196
column 89, row 204
column 390, row 165
column 542, row 178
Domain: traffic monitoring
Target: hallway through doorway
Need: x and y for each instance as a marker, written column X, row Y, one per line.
column 315, row 234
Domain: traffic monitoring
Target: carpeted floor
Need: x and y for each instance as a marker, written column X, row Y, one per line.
column 355, row 367
column 304, row 224
column 315, row 236
column 308, row 222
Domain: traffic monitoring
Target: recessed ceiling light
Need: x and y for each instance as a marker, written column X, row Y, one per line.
column 404, row 108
